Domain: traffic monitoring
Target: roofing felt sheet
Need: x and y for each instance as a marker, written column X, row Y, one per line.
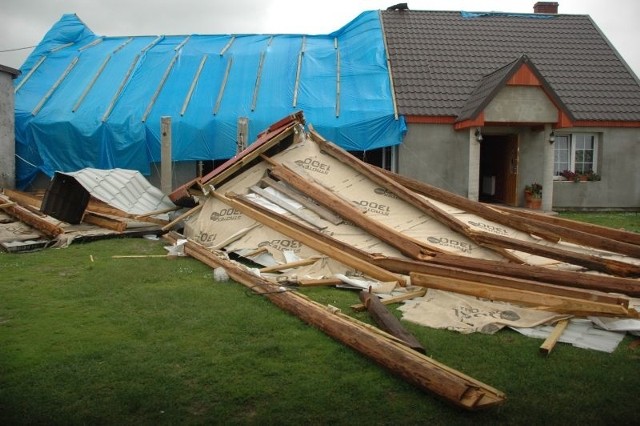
column 85, row 100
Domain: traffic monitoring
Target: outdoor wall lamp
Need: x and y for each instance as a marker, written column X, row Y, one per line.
column 552, row 137
column 478, row 135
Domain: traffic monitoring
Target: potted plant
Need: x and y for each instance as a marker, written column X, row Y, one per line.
column 592, row 176
column 533, row 196
column 570, row 176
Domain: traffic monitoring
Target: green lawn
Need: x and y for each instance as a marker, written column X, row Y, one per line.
column 89, row 339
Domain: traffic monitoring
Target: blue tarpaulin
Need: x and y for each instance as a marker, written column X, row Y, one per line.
column 85, row 100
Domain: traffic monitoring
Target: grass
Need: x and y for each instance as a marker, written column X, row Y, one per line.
column 89, row 339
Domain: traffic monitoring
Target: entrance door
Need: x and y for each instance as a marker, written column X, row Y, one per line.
column 499, row 169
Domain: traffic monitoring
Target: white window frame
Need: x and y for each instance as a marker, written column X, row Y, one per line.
column 572, row 151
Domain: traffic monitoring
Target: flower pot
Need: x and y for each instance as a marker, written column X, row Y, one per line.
column 532, row 202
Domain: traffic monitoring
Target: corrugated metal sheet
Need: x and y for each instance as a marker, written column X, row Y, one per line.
column 126, row 190
column 68, row 194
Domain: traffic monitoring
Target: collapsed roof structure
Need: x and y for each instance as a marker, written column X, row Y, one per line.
column 309, row 213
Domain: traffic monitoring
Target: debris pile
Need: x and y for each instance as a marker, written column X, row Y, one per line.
column 81, row 206
column 310, row 214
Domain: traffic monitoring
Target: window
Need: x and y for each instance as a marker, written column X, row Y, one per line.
column 385, row 158
column 575, row 152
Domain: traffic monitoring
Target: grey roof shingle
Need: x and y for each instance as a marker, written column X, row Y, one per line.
column 439, row 58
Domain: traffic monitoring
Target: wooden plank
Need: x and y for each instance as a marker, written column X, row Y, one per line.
column 387, row 321
column 99, row 207
column 605, row 283
column 520, row 284
column 23, row 198
column 485, row 239
column 416, row 368
column 542, row 301
column 545, row 226
column 595, row 263
column 346, row 210
column 550, row 342
column 157, row 212
column 104, row 222
column 285, row 266
column 183, row 216
column 319, row 282
column 31, row 219
column 603, row 231
column 358, row 307
column 275, row 222
column 140, row 256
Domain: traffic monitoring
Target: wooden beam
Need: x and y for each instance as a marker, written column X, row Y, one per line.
column 319, row 282
column 550, row 342
column 273, row 221
column 485, row 239
column 606, row 283
column 387, row 321
column 593, row 229
column 545, row 226
column 595, row 263
column 348, row 211
column 285, row 266
column 519, row 284
column 104, row 222
column 183, row 216
column 31, row 219
column 358, row 307
column 541, row 301
column 23, row 198
column 416, row 368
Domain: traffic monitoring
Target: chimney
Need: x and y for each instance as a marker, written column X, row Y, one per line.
column 548, row 7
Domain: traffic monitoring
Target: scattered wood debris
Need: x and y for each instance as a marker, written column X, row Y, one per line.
column 309, row 213
column 86, row 205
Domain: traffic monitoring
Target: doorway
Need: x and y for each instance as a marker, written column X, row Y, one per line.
column 499, row 169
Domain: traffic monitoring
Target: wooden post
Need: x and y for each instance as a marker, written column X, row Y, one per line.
column 165, row 169
column 242, row 134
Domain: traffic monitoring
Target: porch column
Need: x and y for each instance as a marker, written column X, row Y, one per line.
column 547, row 172
column 473, row 186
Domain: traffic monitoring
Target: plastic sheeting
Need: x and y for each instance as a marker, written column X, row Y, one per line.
column 85, row 100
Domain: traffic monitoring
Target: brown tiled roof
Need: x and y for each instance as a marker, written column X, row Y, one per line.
column 439, row 59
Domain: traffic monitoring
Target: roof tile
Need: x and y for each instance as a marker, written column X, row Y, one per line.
column 439, row 58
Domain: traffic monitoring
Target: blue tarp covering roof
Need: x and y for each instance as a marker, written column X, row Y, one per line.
column 85, row 100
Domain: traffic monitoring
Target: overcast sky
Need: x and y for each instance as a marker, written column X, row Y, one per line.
column 24, row 22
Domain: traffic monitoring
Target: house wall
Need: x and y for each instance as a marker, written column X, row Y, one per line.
column 521, row 104
column 437, row 155
column 619, row 152
column 7, row 132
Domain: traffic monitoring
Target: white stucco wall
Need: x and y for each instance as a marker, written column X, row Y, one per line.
column 619, row 154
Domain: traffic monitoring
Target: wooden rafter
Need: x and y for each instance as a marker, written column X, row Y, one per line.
column 420, row 370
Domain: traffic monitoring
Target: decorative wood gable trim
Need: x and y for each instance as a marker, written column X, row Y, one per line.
column 524, row 76
column 476, row 122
